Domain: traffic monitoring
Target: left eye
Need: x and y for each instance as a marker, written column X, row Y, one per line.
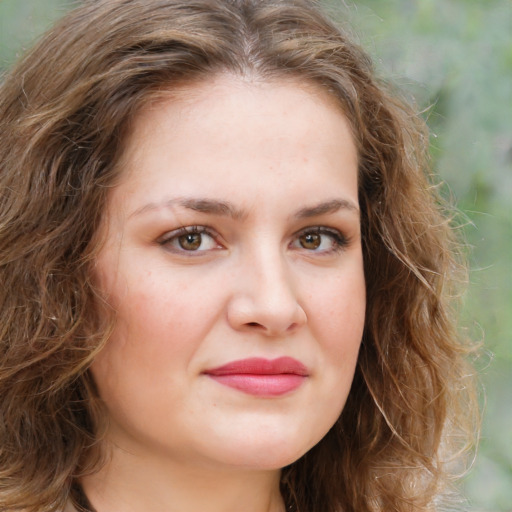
column 190, row 239
column 320, row 240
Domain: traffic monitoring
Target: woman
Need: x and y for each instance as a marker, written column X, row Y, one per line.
column 226, row 276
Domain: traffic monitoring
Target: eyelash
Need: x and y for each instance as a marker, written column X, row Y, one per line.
column 339, row 240
column 175, row 235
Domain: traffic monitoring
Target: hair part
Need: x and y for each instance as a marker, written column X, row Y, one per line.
column 65, row 114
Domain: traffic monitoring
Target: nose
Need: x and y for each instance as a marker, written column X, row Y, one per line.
column 265, row 299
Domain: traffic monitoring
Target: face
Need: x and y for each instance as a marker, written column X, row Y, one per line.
column 233, row 259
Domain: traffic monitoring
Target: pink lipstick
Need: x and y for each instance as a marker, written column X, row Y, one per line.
column 261, row 377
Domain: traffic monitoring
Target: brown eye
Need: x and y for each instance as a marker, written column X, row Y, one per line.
column 190, row 241
column 320, row 240
column 310, row 241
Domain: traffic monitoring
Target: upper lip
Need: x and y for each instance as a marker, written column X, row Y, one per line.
column 260, row 366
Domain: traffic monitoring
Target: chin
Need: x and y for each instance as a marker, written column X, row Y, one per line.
column 266, row 453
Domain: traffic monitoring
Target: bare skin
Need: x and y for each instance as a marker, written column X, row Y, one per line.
column 233, row 234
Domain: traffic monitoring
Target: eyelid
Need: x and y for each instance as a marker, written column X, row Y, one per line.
column 166, row 238
column 340, row 239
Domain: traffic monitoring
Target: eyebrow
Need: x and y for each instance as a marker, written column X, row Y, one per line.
column 224, row 208
column 202, row 205
column 326, row 207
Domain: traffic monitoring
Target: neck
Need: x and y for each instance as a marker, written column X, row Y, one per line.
column 131, row 483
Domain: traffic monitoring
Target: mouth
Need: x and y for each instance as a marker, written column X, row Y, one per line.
column 261, row 377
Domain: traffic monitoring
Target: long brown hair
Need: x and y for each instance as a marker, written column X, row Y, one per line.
column 64, row 114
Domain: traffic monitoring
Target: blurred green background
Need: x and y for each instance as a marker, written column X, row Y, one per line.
column 455, row 58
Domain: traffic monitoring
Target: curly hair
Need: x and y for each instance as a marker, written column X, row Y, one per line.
column 65, row 111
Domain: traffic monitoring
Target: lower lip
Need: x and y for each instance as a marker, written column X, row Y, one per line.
column 261, row 385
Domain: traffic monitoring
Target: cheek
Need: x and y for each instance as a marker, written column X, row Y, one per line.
column 159, row 321
column 147, row 353
column 336, row 319
column 339, row 310
column 337, row 322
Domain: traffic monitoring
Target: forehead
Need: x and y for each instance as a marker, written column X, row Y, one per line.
column 218, row 95
column 227, row 134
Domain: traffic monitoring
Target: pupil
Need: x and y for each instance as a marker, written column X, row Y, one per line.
column 190, row 241
column 310, row 241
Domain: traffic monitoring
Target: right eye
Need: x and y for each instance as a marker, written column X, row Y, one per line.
column 190, row 239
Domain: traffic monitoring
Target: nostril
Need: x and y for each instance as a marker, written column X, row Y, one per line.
column 253, row 324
